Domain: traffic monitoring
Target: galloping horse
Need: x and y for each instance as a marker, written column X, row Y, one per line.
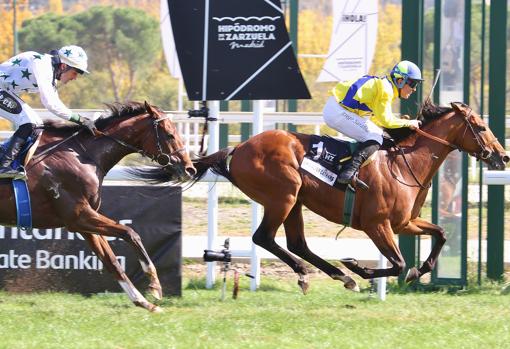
column 267, row 168
column 67, row 171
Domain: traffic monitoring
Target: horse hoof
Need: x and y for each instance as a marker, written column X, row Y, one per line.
column 349, row 262
column 412, row 275
column 156, row 310
column 304, row 284
column 352, row 286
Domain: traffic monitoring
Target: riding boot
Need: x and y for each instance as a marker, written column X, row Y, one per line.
column 18, row 141
column 360, row 155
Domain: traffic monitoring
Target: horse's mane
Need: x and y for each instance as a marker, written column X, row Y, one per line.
column 428, row 113
column 114, row 111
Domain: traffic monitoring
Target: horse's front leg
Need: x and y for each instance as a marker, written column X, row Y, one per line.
column 382, row 236
column 102, row 249
column 420, row 226
column 92, row 222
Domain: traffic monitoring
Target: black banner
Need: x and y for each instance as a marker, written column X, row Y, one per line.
column 58, row 260
column 232, row 50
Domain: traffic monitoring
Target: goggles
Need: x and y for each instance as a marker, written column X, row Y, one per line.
column 412, row 83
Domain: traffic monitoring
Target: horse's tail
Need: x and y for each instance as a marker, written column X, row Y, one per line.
column 217, row 162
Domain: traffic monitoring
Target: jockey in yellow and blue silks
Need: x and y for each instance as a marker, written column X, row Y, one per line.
column 360, row 109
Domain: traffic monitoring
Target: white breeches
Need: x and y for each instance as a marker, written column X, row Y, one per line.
column 350, row 124
column 16, row 111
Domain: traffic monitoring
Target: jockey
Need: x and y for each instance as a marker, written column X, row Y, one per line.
column 361, row 108
column 32, row 72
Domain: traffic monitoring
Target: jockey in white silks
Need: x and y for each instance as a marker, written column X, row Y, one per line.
column 32, row 72
column 360, row 109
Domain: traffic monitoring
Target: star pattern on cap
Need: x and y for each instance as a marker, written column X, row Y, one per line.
column 67, row 53
column 26, row 74
column 17, row 61
column 37, row 56
column 14, row 84
column 4, row 76
column 35, row 85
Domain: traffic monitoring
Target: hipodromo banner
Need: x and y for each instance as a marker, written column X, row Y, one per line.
column 58, row 260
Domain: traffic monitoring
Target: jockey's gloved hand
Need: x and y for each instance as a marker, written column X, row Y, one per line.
column 88, row 123
column 414, row 124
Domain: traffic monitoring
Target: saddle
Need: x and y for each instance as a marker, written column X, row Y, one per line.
column 326, row 156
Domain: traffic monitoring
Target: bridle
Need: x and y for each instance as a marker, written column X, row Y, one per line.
column 483, row 154
column 162, row 158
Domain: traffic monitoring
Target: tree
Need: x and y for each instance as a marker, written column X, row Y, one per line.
column 6, row 26
column 124, row 42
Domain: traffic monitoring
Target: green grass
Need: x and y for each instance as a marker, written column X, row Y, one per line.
column 276, row 316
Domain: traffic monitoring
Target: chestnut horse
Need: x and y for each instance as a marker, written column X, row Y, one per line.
column 267, row 168
column 66, row 173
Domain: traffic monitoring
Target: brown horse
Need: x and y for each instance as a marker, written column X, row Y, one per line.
column 66, row 174
column 267, row 168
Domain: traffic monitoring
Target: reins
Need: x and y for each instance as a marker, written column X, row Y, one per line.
column 437, row 139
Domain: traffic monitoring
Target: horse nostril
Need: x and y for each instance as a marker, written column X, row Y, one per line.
column 506, row 158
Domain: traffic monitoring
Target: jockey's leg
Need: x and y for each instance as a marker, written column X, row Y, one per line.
column 19, row 113
column 364, row 151
column 358, row 128
column 15, row 145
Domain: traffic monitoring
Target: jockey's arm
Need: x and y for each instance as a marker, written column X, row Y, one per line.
column 383, row 115
column 48, row 93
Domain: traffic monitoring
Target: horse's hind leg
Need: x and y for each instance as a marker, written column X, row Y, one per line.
column 264, row 237
column 419, row 226
column 94, row 223
column 103, row 250
column 382, row 236
column 296, row 243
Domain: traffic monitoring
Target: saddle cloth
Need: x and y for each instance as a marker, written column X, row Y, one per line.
column 325, row 158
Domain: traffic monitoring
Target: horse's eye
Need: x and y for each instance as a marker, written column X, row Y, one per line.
column 170, row 136
column 481, row 128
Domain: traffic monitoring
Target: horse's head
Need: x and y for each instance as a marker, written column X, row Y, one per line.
column 475, row 138
column 147, row 130
column 164, row 145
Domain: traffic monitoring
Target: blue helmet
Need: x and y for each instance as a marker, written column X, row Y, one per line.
column 405, row 70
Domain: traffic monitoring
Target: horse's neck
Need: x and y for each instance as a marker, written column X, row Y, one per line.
column 425, row 156
column 106, row 152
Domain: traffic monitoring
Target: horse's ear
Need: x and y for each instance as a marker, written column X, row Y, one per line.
column 149, row 109
column 457, row 106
